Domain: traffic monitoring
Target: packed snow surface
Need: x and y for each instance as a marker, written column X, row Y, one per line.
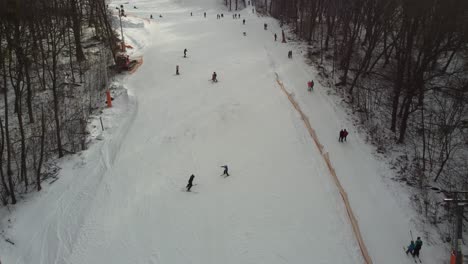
column 123, row 200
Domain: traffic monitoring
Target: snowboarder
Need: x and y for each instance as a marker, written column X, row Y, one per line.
column 276, row 36
column 265, row 26
column 243, row 22
column 340, row 139
column 310, row 84
column 204, row 14
column 417, row 247
column 185, row 53
column 214, row 77
column 225, row 171
column 177, row 70
column 410, row 248
column 345, row 134
column 190, row 182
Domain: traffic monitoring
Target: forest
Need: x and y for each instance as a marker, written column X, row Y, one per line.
column 54, row 56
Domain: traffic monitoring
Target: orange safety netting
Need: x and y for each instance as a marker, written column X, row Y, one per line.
column 326, row 157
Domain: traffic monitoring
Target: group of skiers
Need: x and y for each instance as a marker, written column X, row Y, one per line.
column 414, row 248
column 190, row 181
column 343, row 135
column 235, row 16
column 214, row 76
column 219, row 16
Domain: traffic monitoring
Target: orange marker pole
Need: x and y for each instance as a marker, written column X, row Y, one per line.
column 109, row 98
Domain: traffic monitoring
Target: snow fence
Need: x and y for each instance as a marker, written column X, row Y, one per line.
column 326, row 157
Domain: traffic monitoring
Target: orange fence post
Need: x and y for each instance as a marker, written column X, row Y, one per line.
column 109, row 98
column 453, row 258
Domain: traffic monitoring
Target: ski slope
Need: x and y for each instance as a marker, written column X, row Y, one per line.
column 122, row 201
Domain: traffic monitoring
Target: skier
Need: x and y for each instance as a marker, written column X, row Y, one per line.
column 191, row 14
column 290, row 54
column 134, row 7
column 218, row 16
column 213, row 77
column 310, row 84
column 276, row 36
column 222, row 15
column 410, row 248
column 190, row 182
column 345, row 134
column 243, row 22
column 177, row 70
column 417, row 247
column 185, row 53
column 265, row 26
column 253, row 10
column 238, row 15
column 204, row 14
column 225, row 171
column 340, row 139
column 160, row 16
column 245, row 33
column 151, row 16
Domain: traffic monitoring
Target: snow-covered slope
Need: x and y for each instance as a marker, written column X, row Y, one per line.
column 125, row 202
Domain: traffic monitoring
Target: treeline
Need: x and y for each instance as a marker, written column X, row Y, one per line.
column 53, row 60
column 402, row 65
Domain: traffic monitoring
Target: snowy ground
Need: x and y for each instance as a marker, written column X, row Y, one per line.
column 122, row 201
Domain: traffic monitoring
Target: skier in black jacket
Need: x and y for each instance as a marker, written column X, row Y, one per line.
column 190, row 182
column 225, row 171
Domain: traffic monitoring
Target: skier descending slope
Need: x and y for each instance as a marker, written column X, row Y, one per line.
column 214, row 77
column 225, row 171
column 190, row 183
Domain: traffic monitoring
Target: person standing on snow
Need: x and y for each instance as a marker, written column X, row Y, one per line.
column 185, row 53
column 225, row 171
column 243, row 22
column 204, row 14
column 190, row 182
column 345, row 134
column 177, row 70
column 340, row 139
column 417, row 247
column 265, row 26
column 276, row 36
column 410, row 248
column 214, row 77
column 191, row 14
column 310, row 84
